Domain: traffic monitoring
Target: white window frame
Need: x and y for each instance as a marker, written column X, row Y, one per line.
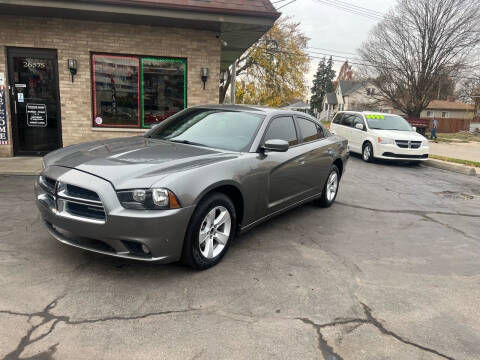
column 446, row 113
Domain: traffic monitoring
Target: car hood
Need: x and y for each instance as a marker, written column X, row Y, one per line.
column 399, row 135
column 135, row 162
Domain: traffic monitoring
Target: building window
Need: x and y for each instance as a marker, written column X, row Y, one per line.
column 325, row 107
column 445, row 114
column 136, row 92
column 429, row 113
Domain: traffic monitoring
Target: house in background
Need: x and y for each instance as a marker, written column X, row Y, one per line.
column 349, row 95
column 448, row 109
column 298, row 105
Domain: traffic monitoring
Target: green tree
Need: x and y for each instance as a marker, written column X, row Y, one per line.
column 322, row 84
column 272, row 71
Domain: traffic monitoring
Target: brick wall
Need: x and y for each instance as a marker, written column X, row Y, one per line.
column 76, row 39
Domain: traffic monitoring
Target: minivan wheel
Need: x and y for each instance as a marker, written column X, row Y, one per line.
column 330, row 190
column 367, row 153
column 210, row 232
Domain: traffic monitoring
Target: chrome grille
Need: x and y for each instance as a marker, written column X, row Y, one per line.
column 71, row 200
column 406, row 144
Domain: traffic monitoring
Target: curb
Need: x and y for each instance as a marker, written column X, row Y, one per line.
column 20, row 173
column 458, row 168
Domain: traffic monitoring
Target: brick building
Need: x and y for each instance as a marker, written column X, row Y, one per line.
column 74, row 71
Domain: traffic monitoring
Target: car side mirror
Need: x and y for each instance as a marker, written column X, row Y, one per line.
column 276, row 145
column 414, row 128
column 360, row 126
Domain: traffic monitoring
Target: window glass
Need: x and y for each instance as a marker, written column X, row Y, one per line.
column 163, row 88
column 135, row 91
column 337, row 119
column 387, row 122
column 230, row 130
column 308, row 129
column 348, row 120
column 115, row 89
column 282, row 128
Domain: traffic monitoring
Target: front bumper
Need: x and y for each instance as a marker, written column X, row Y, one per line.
column 393, row 152
column 122, row 232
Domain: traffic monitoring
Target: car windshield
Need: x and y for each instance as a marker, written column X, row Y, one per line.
column 223, row 129
column 387, row 122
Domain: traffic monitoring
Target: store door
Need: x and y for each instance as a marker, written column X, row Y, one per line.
column 34, row 100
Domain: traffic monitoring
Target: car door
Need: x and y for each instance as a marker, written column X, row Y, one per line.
column 336, row 125
column 283, row 187
column 356, row 135
column 346, row 125
column 316, row 155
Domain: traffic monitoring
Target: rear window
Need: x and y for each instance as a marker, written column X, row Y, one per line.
column 308, row 129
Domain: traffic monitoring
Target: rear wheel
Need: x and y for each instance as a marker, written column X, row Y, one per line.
column 330, row 190
column 210, row 232
column 367, row 152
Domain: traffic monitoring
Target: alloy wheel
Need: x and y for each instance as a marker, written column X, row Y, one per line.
column 215, row 232
column 367, row 152
column 332, row 186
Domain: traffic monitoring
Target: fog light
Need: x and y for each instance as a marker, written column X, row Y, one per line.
column 145, row 249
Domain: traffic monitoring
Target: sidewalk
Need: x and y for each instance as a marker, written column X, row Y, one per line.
column 465, row 151
column 21, row 166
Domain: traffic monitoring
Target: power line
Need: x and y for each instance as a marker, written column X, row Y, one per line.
column 291, row 2
column 349, row 8
column 314, row 56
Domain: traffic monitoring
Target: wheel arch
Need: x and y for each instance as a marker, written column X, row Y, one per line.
column 230, row 189
column 339, row 164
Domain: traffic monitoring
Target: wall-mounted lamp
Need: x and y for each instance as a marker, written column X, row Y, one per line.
column 204, row 75
column 72, row 66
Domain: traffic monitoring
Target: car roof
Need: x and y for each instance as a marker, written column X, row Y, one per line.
column 366, row 112
column 266, row 110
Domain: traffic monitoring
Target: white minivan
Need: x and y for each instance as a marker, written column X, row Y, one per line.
column 381, row 136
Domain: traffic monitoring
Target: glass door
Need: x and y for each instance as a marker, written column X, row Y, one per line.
column 35, row 107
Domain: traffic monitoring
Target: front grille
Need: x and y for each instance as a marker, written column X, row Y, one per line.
column 402, row 156
column 82, row 193
column 87, row 211
column 48, row 184
column 406, row 144
column 71, row 200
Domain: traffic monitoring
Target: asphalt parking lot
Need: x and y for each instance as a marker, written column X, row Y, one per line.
column 391, row 271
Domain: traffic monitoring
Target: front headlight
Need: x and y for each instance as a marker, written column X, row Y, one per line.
column 385, row 141
column 148, row 199
column 425, row 143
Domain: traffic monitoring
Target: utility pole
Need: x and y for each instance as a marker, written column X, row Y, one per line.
column 233, row 83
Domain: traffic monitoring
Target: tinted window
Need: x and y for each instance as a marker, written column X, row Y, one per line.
column 337, row 119
column 308, row 129
column 231, row 130
column 348, row 120
column 282, row 128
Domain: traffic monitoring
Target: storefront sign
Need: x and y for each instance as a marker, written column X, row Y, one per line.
column 3, row 113
column 20, row 97
column 37, row 115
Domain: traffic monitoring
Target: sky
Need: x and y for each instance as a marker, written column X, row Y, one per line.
column 332, row 29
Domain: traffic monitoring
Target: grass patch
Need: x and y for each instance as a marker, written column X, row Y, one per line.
column 457, row 161
column 326, row 124
column 460, row 137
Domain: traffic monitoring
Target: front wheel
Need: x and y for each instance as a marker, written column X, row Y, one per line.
column 330, row 190
column 367, row 153
column 210, row 232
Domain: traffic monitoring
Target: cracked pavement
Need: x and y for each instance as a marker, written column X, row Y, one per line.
column 391, row 271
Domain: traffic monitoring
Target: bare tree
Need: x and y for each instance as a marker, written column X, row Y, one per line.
column 418, row 43
column 469, row 91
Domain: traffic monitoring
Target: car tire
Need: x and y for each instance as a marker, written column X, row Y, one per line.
column 333, row 182
column 367, row 152
column 203, row 255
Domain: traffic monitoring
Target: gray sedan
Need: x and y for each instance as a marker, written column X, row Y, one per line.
column 189, row 185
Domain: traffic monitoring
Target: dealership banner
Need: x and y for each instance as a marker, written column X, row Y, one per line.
column 3, row 112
